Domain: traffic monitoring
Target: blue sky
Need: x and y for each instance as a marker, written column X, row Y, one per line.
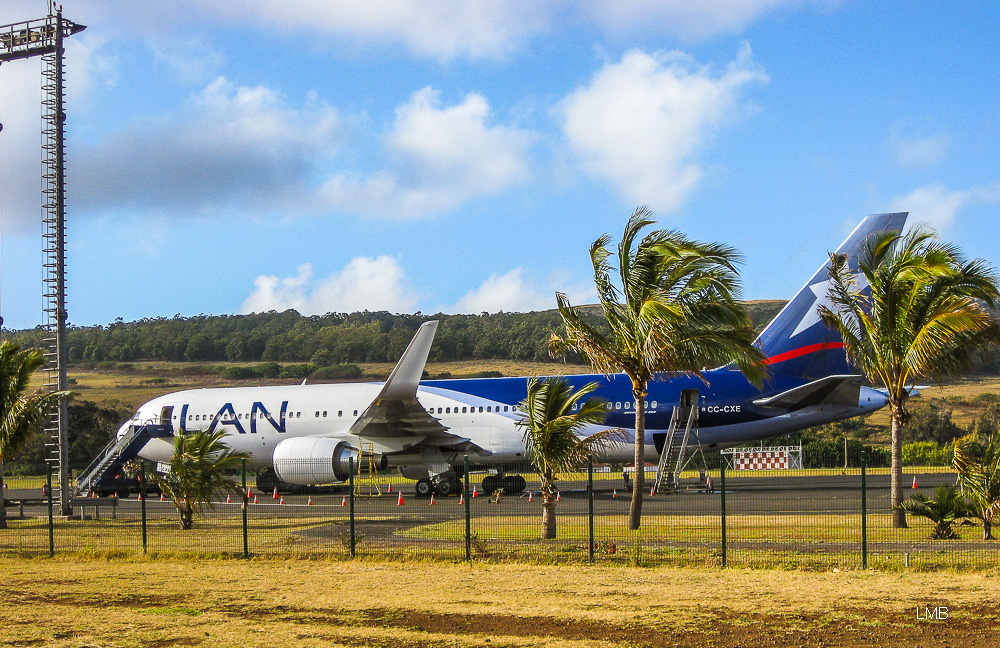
column 454, row 156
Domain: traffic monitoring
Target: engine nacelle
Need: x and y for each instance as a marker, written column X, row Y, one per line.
column 308, row 461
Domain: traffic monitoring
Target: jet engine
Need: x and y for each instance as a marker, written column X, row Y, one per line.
column 314, row 460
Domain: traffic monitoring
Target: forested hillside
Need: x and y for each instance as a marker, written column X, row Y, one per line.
column 325, row 340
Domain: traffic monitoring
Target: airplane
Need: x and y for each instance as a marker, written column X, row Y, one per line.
column 309, row 434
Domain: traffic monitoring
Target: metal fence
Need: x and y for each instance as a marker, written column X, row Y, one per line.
column 812, row 518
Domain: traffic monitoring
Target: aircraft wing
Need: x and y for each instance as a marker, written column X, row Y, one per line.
column 396, row 421
column 831, row 390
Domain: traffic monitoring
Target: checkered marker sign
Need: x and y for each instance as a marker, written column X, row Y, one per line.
column 762, row 460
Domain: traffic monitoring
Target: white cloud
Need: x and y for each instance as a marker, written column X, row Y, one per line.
column 909, row 152
column 450, row 29
column 443, row 29
column 641, row 122
column 87, row 65
column 682, row 18
column 190, row 60
column 366, row 283
column 512, row 292
column 444, row 157
column 233, row 146
column 935, row 205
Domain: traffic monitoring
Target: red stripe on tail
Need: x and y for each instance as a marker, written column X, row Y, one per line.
column 801, row 351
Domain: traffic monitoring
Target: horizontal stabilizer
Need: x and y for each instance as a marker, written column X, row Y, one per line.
column 832, row 390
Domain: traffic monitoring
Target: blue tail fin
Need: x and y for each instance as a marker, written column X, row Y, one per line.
column 796, row 343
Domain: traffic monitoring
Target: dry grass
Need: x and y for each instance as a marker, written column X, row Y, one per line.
column 62, row 603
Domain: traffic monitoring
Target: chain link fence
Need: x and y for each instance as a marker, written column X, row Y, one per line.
column 816, row 518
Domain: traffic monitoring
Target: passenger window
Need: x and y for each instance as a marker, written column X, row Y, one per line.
column 324, row 414
column 627, row 404
column 654, row 404
column 447, row 410
column 505, row 408
column 480, row 410
column 298, row 414
column 618, row 406
column 463, row 410
column 317, row 413
column 355, row 412
column 340, row 413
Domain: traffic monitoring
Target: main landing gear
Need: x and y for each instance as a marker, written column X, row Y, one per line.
column 442, row 486
column 511, row 484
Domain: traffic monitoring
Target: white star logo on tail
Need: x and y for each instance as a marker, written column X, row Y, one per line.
column 821, row 292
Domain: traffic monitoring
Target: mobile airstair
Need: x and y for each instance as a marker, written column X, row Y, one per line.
column 103, row 470
column 683, row 427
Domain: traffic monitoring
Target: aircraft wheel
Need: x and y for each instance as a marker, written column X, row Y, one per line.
column 514, row 485
column 424, row 488
column 443, row 488
column 490, row 484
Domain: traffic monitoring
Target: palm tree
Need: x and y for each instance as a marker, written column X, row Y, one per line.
column 198, row 473
column 923, row 318
column 674, row 311
column 944, row 510
column 21, row 414
column 979, row 478
column 553, row 419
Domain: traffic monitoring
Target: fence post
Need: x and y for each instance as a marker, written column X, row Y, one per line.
column 864, row 513
column 52, row 536
column 468, row 520
column 350, row 485
column 722, row 492
column 142, row 507
column 590, row 498
column 246, row 502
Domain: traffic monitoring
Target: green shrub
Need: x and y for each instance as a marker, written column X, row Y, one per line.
column 927, row 453
column 297, row 370
column 487, row 374
column 267, row 370
column 238, row 373
column 337, row 372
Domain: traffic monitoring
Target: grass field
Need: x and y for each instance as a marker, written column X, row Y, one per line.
column 174, row 602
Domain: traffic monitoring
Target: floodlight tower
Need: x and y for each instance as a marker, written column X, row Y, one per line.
column 44, row 37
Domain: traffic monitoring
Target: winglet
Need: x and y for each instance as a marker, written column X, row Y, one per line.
column 405, row 376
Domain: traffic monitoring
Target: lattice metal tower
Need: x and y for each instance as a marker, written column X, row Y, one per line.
column 44, row 37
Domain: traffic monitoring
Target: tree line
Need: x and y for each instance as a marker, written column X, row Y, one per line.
column 323, row 340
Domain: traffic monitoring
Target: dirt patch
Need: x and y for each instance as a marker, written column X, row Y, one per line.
column 848, row 628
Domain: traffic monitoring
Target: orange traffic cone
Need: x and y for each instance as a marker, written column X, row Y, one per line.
column 558, row 496
column 310, row 502
column 250, row 494
column 254, row 499
column 475, row 493
column 399, row 502
column 614, row 494
column 531, row 496
column 389, row 490
column 915, row 481
column 461, row 498
column 140, row 497
column 275, row 496
column 343, row 502
column 229, row 499
column 161, row 497
column 432, row 499
column 282, row 501
column 652, row 491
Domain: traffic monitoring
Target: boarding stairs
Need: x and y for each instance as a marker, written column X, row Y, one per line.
column 683, row 427
column 109, row 462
